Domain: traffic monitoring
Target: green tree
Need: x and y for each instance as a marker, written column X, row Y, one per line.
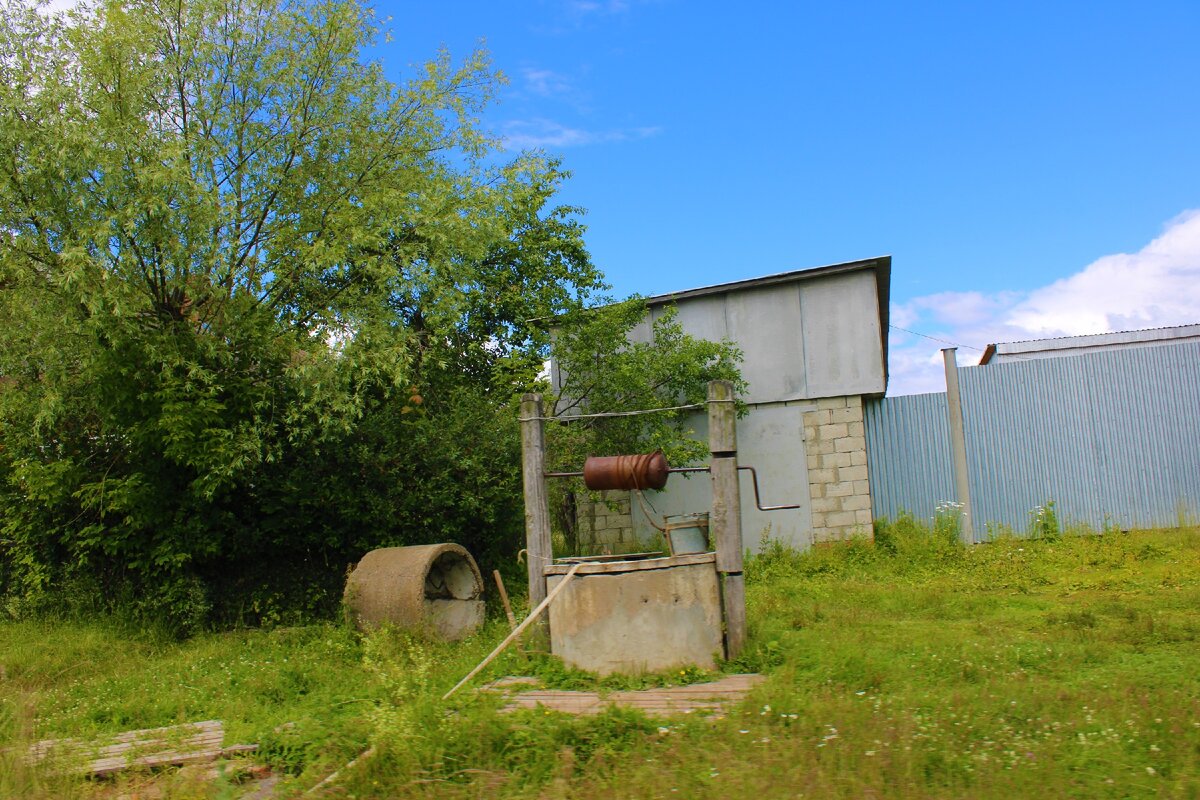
column 604, row 367
column 262, row 310
column 232, row 254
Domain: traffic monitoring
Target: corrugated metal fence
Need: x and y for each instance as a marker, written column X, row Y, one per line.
column 1113, row 438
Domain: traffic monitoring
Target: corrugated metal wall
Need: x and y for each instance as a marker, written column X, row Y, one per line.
column 1113, row 438
column 908, row 454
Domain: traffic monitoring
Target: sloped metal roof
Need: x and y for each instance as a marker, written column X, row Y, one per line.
column 1089, row 342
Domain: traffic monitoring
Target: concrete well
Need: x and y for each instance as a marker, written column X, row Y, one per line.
column 638, row 616
column 436, row 588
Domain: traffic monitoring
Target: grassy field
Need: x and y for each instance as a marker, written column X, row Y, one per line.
column 907, row 667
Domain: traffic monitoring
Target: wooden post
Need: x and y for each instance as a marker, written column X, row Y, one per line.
column 537, row 510
column 726, row 517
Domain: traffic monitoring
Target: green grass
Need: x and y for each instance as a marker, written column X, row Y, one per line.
column 907, row 667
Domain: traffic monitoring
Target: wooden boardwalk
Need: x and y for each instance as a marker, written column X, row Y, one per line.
column 705, row 699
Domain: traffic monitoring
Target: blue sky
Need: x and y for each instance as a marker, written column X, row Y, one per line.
column 1029, row 166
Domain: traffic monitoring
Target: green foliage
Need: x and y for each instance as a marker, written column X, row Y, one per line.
column 605, row 366
column 1043, row 522
column 261, row 309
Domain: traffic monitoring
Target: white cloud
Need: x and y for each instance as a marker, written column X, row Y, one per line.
column 598, row 6
column 540, row 132
column 59, row 6
column 1157, row 286
column 546, row 82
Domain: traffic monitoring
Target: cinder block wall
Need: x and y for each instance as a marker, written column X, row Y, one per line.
column 606, row 526
column 836, row 445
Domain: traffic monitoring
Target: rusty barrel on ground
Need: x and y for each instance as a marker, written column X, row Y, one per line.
column 434, row 588
column 643, row 471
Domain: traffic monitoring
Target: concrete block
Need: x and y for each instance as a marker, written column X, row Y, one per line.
column 824, row 447
column 834, row 430
column 839, row 489
column 827, row 504
column 607, row 536
column 816, row 490
column 822, row 476
column 852, row 473
column 855, row 502
column 835, row 460
column 811, row 433
column 848, row 444
column 863, row 517
column 814, row 461
column 862, row 487
column 839, row 519
column 817, row 418
column 854, row 401
column 818, row 520
column 858, row 457
column 831, row 403
column 856, row 429
column 846, row 415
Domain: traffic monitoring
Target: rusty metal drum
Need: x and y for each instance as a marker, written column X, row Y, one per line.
column 644, row 471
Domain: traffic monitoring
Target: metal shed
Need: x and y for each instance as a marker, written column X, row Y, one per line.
column 814, row 344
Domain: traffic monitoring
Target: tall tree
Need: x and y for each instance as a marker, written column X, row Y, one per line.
column 226, row 245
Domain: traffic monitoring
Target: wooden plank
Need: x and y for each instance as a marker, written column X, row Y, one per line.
column 729, row 686
column 614, row 557
column 147, row 735
column 595, row 568
column 708, row 699
column 152, row 747
column 537, row 510
column 559, row 700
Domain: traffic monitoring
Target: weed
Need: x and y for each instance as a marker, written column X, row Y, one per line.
column 1044, row 524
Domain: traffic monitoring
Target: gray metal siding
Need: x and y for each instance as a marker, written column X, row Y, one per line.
column 841, row 336
column 908, row 454
column 801, row 339
column 1112, row 437
column 770, row 439
column 766, row 325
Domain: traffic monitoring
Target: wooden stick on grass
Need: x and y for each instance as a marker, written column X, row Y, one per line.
column 533, row 615
column 512, row 619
